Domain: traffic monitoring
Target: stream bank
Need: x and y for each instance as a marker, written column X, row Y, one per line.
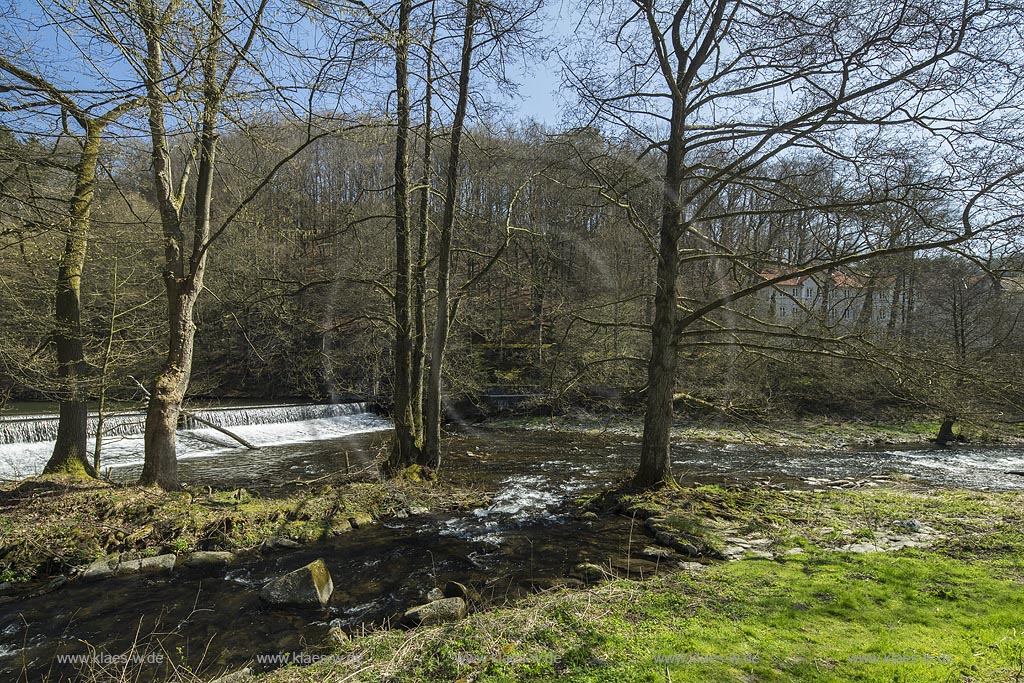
column 530, row 518
column 813, row 432
column 948, row 609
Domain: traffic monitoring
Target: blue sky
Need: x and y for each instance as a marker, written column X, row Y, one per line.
column 58, row 59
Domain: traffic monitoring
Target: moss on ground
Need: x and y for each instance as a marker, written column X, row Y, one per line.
column 51, row 524
column 809, row 432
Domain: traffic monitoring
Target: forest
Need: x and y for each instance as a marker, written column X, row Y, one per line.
column 167, row 215
column 743, row 216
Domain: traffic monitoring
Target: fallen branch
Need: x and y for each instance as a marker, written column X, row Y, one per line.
column 190, row 414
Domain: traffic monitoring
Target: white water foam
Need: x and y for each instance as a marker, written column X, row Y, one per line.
column 521, row 500
column 20, row 460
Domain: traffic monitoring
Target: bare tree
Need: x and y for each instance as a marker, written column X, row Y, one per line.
column 721, row 89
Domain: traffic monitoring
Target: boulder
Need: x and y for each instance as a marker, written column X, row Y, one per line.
column 340, row 526
column 653, row 552
column 335, row 636
column 361, row 519
column 454, row 589
column 280, row 543
column 209, row 559
column 635, row 567
column 589, row 572
column 435, row 594
column 113, row 565
column 680, row 541
column 306, row 586
column 436, row 612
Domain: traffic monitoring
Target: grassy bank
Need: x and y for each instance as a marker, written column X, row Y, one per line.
column 784, row 432
column 51, row 525
column 947, row 611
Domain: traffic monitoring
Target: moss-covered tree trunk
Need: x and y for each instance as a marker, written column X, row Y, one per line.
column 69, row 452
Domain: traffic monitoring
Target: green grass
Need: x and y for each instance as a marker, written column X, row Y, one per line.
column 954, row 612
column 912, row 617
column 787, row 432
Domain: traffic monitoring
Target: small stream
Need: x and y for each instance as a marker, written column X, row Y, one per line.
column 524, row 540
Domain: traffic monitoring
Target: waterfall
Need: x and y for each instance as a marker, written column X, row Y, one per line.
column 41, row 428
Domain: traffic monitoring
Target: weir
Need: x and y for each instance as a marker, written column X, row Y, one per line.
column 42, row 428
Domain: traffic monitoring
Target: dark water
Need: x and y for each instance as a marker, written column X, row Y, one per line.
column 524, row 540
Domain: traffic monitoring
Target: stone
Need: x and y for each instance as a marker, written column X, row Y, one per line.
column 734, row 552
column 113, row 565
column 209, row 559
column 435, row 594
column 306, row 586
column 280, row 543
column 655, row 553
column 340, row 526
column 435, row 612
column 861, row 548
column 148, row 565
column 454, row 589
column 589, row 517
column 236, row 677
column 909, row 525
column 335, row 636
column 139, row 535
column 635, row 567
column 589, row 572
column 795, row 551
column 418, row 510
column 760, row 554
column 361, row 519
column 670, row 540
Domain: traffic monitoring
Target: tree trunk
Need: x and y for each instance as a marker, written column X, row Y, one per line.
column 167, row 393
column 406, row 447
column 183, row 275
column 69, row 452
column 655, row 461
column 655, row 466
column 431, row 456
column 419, row 296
